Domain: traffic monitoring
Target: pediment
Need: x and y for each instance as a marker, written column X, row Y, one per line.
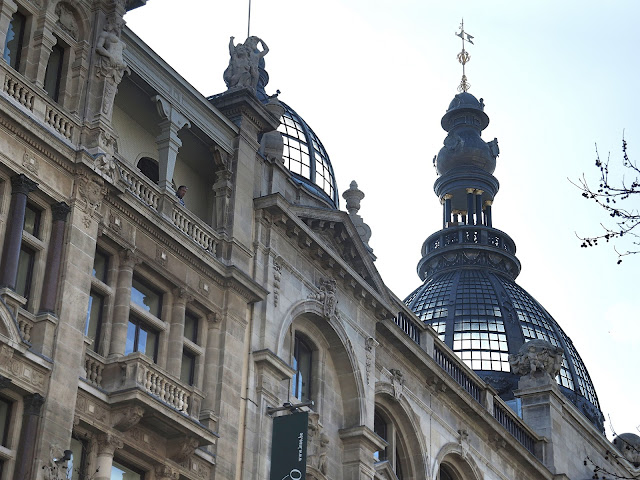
column 335, row 229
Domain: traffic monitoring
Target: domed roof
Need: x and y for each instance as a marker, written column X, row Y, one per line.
column 305, row 156
column 483, row 316
column 468, row 268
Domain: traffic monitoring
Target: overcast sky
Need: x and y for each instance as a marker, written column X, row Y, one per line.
column 373, row 79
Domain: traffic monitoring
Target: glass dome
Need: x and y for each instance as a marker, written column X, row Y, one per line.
column 305, row 156
column 483, row 316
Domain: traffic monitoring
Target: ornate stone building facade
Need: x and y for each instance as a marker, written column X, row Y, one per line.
column 143, row 335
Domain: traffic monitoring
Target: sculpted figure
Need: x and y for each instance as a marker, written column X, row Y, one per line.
column 537, row 358
column 111, row 64
column 242, row 71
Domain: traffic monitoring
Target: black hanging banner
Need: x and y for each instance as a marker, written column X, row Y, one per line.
column 289, row 447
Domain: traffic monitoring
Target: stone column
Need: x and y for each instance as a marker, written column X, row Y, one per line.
column 447, row 209
column 168, row 141
column 107, row 446
column 7, row 9
column 20, row 188
column 122, row 303
column 28, row 436
column 479, row 207
column 359, row 445
column 59, row 212
column 176, row 332
column 211, row 365
column 470, row 206
column 487, row 213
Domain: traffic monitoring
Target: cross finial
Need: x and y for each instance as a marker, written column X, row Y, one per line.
column 464, row 57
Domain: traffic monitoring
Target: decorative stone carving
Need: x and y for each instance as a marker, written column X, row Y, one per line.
column 629, row 445
column 128, row 258
column 353, row 197
column 327, row 296
column 537, row 359
column 242, row 71
column 91, row 192
column 128, row 418
column 182, row 295
column 370, row 344
column 166, row 472
column 277, row 274
column 493, row 148
column 6, row 352
column 108, row 443
column 57, row 464
column 66, row 20
column 104, row 162
column 317, row 446
column 30, row 162
column 111, row 65
column 5, row 382
column 33, row 404
column 161, row 257
column 182, row 449
column 397, row 380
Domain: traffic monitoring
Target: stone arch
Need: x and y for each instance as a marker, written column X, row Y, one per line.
column 458, row 462
column 72, row 19
column 332, row 335
column 8, row 325
column 408, row 424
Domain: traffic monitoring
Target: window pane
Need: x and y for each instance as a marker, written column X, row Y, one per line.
column 94, row 319
column 187, row 368
column 5, row 415
column 31, row 220
column 25, row 269
column 100, row 266
column 147, row 341
column 145, row 297
column 76, row 465
column 120, row 472
column 54, row 72
column 13, row 44
column 191, row 327
column 302, row 378
column 130, row 346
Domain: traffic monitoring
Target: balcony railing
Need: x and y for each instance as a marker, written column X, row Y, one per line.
column 18, row 90
column 472, row 234
column 457, row 372
column 408, row 327
column 514, row 426
column 137, row 371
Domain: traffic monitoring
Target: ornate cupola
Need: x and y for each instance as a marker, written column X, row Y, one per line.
column 468, row 268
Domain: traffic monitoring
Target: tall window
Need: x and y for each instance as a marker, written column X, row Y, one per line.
column 53, row 73
column 98, row 299
column 189, row 353
column 301, row 384
column 188, row 368
column 15, row 37
column 27, row 258
column 386, row 429
column 146, row 297
column 5, row 416
column 141, row 338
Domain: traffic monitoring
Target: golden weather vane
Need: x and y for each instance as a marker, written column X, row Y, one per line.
column 464, row 57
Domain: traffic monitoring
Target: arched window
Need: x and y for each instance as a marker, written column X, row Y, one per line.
column 445, row 473
column 53, row 73
column 301, row 381
column 149, row 168
column 392, row 456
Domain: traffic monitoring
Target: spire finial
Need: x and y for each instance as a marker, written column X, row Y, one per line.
column 464, row 57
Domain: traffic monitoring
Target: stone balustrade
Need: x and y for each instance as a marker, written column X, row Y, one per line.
column 481, row 392
column 18, row 90
column 195, row 229
column 140, row 186
column 25, row 328
column 136, row 371
column 59, row 122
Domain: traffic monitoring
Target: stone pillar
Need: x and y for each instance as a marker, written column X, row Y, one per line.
column 107, row 446
column 168, row 141
column 59, row 212
column 176, row 332
column 7, row 9
column 28, row 436
column 211, row 366
column 479, row 207
column 122, row 303
column 470, row 206
column 20, row 188
column 447, row 209
column 359, row 445
column 487, row 213
column 39, row 53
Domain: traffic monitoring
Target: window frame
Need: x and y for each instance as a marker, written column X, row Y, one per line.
column 105, row 288
column 15, row 65
column 137, row 321
column 297, row 390
column 62, row 49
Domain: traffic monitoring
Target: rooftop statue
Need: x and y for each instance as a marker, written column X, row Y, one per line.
column 242, row 71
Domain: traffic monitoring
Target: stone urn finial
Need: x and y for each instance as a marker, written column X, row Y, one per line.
column 353, row 197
